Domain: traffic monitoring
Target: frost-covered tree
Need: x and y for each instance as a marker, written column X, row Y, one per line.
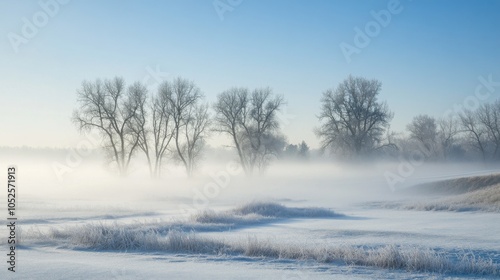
column 482, row 129
column 424, row 130
column 251, row 120
column 448, row 131
column 109, row 108
column 190, row 120
column 353, row 120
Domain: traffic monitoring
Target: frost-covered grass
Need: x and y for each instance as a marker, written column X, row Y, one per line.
column 457, row 186
column 227, row 218
column 207, row 220
column 487, row 199
column 276, row 210
column 389, row 256
column 126, row 238
column 256, row 212
column 180, row 237
column 480, row 193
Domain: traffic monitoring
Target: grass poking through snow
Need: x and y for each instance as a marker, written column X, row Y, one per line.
column 487, row 199
column 256, row 212
column 165, row 238
column 123, row 238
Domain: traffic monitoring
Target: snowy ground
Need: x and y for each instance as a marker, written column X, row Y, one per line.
column 363, row 224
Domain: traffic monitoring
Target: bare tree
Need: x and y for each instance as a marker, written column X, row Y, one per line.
column 138, row 124
column 423, row 129
column 448, row 129
column 189, row 120
column 260, row 125
column 195, row 130
column 230, row 108
column 162, row 126
column 153, row 126
column 476, row 134
column 488, row 115
column 272, row 146
column 354, row 121
column 252, row 123
column 109, row 109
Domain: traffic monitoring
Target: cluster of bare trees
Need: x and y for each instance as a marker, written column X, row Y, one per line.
column 471, row 134
column 250, row 119
column 130, row 120
column 435, row 138
column 175, row 122
column 354, row 123
column 482, row 129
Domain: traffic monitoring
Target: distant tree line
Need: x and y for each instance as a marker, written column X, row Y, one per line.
column 174, row 122
column 472, row 134
column 354, row 124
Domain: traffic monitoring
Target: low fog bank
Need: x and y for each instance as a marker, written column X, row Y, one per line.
column 222, row 183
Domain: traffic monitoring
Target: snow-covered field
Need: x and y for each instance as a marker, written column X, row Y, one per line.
column 320, row 223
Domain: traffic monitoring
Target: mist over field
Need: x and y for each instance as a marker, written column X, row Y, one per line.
column 307, row 213
column 365, row 214
column 66, row 174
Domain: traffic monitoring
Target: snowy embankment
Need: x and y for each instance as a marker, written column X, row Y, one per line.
column 456, row 186
column 480, row 193
column 180, row 237
column 486, row 199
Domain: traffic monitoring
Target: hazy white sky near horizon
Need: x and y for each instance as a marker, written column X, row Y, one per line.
column 428, row 57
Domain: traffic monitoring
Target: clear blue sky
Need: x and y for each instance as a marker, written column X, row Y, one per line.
column 428, row 57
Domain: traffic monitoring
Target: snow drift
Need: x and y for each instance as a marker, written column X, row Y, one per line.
column 165, row 237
